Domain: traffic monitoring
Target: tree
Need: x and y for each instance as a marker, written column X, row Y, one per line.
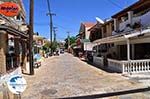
column 72, row 41
column 46, row 46
column 54, row 46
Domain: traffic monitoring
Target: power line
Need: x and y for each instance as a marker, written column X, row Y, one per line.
column 46, row 24
column 67, row 19
column 58, row 25
column 115, row 4
column 65, row 28
column 41, row 24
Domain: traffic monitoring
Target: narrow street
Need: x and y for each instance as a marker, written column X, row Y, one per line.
column 73, row 49
column 66, row 75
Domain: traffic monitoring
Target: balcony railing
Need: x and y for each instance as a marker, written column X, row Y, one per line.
column 137, row 66
column 133, row 66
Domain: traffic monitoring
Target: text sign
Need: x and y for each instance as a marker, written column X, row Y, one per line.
column 16, row 84
column 9, row 9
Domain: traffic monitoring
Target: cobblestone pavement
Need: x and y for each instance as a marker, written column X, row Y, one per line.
column 65, row 75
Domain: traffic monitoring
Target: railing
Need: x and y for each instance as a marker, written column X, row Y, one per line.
column 136, row 66
column 98, row 61
column 115, row 65
column 132, row 66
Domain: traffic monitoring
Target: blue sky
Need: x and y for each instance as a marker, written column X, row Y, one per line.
column 70, row 13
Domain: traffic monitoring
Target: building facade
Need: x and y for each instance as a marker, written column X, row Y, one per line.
column 13, row 45
column 83, row 42
column 126, row 40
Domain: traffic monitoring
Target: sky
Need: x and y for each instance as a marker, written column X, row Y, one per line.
column 70, row 14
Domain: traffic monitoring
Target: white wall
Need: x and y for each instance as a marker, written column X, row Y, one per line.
column 87, row 33
column 88, row 46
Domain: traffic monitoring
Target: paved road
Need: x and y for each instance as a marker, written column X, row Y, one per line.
column 65, row 75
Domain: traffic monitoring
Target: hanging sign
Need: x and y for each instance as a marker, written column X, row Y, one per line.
column 9, row 9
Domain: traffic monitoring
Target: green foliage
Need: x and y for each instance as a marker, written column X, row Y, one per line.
column 72, row 41
column 54, row 46
column 46, row 46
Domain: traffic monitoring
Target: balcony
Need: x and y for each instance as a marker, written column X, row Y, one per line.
column 126, row 27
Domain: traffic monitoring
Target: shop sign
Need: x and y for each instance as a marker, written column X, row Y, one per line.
column 9, row 9
column 5, row 78
column 17, row 84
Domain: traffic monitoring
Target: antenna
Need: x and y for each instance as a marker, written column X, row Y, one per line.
column 99, row 20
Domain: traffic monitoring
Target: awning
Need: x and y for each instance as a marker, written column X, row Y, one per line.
column 121, row 37
column 13, row 31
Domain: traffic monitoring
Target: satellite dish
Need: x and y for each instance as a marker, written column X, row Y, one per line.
column 99, row 20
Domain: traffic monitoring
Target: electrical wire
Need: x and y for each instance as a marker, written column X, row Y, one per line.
column 47, row 24
column 115, row 4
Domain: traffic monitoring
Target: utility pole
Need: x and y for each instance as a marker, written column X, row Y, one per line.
column 68, row 39
column 54, row 29
column 31, row 37
column 51, row 24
